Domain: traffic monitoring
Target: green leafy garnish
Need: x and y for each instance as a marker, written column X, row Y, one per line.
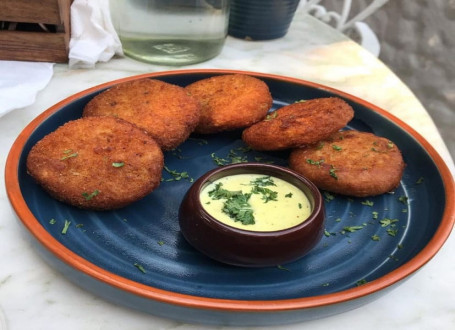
column 352, row 229
column 177, row 176
column 199, row 141
column 328, row 196
column 66, row 226
column 271, row 116
column 332, row 172
column 267, row 194
column 263, row 182
column 361, row 282
column 236, row 205
column 403, row 199
column 118, row 164
column 387, row 222
column 282, row 268
column 52, row 221
column 69, row 156
column 138, row 266
column 368, row 203
column 375, row 238
column 420, row 180
column 392, row 231
column 238, row 208
column 88, row 196
column 288, row 195
column 313, row 162
column 337, row 148
column 375, row 214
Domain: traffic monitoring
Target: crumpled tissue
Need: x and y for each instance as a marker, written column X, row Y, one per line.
column 93, row 37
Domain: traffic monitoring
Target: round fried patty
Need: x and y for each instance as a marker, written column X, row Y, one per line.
column 229, row 102
column 97, row 163
column 351, row 163
column 164, row 110
column 298, row 124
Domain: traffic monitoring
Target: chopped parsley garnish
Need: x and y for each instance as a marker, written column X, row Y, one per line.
column 66, row 226
column 288, row 195
column 259, row 185
column 328, row 196
column 337, row 148
column 138, row 266
column 392, row 231
column 88, row 196
column 199, row 141
column 361, row 282
column 352, row 229
column 238, row 208
column 313, row 162
column 267, row 194
column 282, row 268
column 403, row 199
column 368, row 203
column 52, row 221
column 233, row 156
column 332, row 172
column 300, row 205
column 118, row 164
column 177, row 176
column 320, row 146
column 236, row 205
column 263, row 182
column 74, row 154
column 420, row 180
column 375, row 238
column 160, row 243
column 271, row 116
column 387, row 222
column 374, row 214
column 390, row 144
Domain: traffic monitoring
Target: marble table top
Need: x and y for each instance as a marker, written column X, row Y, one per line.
column 35, row 296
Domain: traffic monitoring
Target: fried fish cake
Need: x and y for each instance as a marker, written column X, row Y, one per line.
column 164, row 110
column 230, row 102
column 98, row 163
column 351, row 163
column 298, row 124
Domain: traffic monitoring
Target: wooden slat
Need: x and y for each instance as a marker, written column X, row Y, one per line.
column 31, row 11
column 33, row 46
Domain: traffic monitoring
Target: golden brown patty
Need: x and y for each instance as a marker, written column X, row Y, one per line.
column 229, row 102
column 299, row 124
column 351, row 163
column 164, row 110
column 98, row 163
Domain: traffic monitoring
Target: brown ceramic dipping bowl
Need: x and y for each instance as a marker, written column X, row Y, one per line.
column 245, row 247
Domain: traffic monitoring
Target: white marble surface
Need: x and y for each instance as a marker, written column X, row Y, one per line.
column 35, row 296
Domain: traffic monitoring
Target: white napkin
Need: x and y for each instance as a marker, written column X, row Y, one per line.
column 20, row 82
column 93, row 37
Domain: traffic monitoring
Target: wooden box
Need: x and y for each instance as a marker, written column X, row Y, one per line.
column 35, row 30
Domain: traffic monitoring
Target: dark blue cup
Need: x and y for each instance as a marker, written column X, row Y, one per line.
column 261, row 19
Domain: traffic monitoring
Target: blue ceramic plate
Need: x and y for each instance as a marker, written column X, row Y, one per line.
column 136, row 256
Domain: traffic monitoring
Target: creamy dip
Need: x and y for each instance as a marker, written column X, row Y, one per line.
column 255, row 202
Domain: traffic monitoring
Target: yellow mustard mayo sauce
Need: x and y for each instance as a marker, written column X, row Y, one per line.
column 255, row 202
